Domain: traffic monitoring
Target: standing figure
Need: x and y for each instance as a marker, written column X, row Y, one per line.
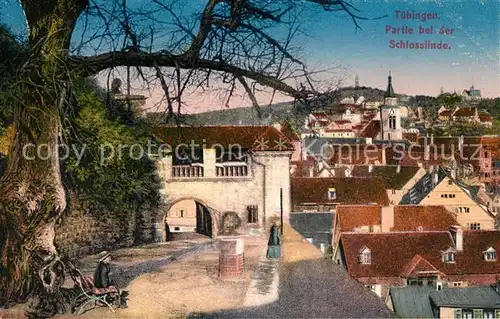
column 273, row 245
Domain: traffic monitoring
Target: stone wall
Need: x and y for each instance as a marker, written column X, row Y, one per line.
column 81, row 232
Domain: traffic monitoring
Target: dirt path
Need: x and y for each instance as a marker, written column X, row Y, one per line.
column 162, row 286
column 183, row 286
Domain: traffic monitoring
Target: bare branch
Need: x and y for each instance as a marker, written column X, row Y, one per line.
column 255, row 103
column 91, row 65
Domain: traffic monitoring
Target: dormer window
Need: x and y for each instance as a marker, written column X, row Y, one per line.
column 490, row 254
column 332, row 193
column 449, row 255
column 365, row 256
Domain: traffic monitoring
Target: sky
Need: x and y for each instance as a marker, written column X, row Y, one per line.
column 333, row 41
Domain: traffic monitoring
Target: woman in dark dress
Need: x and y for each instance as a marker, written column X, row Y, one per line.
column 273, row 245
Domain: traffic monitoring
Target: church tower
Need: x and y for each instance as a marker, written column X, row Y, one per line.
column 390, row 114
column 356, row 81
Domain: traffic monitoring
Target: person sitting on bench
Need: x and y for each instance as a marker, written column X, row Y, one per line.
column 101, row 277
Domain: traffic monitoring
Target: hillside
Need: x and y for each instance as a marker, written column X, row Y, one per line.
column 281, row 112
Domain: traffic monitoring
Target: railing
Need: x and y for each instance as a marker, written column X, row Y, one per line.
column 187, row 171
column 231, row 171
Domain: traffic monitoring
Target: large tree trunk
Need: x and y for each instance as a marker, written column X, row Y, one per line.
column 31, row 192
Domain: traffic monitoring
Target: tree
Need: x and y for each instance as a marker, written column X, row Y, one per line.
column 231, row 39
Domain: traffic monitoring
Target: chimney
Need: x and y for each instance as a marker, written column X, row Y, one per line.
column 432, row 139
column 370, row 168
column 311, row 171
column 387, row 215
column 458, row 237
column 453, row 173
column 398, row 169
column 435, row 179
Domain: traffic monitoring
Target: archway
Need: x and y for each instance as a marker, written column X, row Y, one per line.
column 189, row 216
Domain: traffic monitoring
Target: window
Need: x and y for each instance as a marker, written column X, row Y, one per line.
column 490, row 254
column 458, row 313
column 475, row 226
column 181, row 212
column 365, row 256
column 332, row 193
column 393, row 191
column 450, row 182
column 253, row 214
column 371, row 287
column 497, row 314
column 457, row 284
column 463, row 210
column 422, row 281
column 451, row 195
column 449, row 256
column 478, row 313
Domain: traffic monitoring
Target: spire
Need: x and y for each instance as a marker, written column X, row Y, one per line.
column 390, row 91
column 356, row 81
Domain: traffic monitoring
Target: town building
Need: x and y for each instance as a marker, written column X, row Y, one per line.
column 471, row 94
column 376, row 219
column 470, row 302
column 428, row 302
column 454, row 258
column 225, row 169
column 317, row 194
column 397, row 179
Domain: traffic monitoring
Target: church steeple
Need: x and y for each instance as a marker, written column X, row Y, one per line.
column 389, row 92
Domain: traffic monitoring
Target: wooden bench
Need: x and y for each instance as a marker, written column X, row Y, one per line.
column 90, row 294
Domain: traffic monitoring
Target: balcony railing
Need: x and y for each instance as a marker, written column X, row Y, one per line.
column 187, row 171
column 231, row 170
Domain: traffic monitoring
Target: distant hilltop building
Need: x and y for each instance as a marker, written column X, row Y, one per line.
column 135, row 101
column 472, row 94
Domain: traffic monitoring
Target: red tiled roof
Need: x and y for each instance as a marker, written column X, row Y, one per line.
column 485, row 118
column 446, row 113
column 342, row 122
column 350, row 191
column 410, row 217
column 465, row 112
column 412, row 137
column 393, row 252
column 417, row 266
column 371, row 130
column 355, row 216
column 266, row 138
